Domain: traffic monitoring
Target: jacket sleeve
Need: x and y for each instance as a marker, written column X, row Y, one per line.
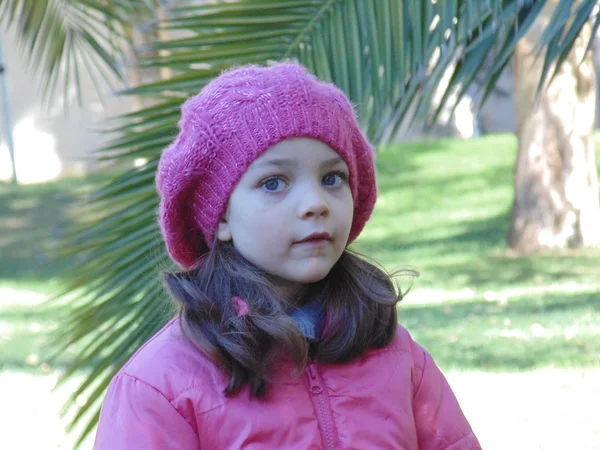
column 135, row 415
column 440, row 423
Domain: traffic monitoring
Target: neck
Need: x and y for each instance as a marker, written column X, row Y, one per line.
column 289, row 290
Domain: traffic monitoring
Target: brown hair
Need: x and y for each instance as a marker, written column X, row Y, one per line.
column 359, row 299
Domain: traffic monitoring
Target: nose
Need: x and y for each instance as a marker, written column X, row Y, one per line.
column 313, row 202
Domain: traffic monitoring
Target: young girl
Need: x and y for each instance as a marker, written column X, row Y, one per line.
column 284, row 338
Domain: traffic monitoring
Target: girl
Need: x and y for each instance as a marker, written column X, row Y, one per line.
column 284, row 339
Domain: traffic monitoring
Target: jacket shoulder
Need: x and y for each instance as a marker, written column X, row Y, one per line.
column 171, row 364
column 410, row 351
column 439, row 420
column 404, row 342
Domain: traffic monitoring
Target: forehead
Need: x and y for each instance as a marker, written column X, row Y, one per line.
column 298, row 151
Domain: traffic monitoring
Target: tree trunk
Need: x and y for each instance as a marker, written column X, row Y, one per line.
column 556, row 202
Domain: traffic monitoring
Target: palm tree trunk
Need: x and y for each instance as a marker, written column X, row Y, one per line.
column 556, row 202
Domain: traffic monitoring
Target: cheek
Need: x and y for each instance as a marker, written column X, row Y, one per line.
column 347, row 209
column 254, row 224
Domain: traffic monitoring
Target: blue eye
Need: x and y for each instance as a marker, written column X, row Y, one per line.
column 273, row 184
column 334, row 179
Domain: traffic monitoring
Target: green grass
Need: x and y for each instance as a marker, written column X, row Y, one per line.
column 533, row 331
column 34, row 223
column 443, row 209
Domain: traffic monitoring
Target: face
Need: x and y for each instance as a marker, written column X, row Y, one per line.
column 291, row 212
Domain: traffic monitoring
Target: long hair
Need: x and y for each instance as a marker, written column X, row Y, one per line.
column 359, row 300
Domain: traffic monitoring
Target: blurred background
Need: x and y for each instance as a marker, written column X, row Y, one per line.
column 485, row 119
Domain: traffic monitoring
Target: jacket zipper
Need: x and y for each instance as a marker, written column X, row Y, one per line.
column 318, row 395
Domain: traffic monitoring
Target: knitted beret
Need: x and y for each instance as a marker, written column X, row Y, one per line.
column 230, row 123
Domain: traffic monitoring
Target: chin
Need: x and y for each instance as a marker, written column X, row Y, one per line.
column 312, row 276
column 312, row 279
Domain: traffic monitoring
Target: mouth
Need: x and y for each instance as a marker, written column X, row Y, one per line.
column 315, row 238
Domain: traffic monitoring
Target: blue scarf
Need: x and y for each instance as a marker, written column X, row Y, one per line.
column 309, row 319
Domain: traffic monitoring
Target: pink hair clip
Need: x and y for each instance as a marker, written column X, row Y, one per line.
column 240, row 306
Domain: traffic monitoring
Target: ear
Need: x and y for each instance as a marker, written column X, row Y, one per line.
column 223, row 231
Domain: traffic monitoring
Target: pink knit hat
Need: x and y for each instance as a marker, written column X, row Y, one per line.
column 230, row 123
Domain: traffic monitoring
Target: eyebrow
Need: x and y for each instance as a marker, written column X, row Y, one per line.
column 333, row 161
column 290, row 162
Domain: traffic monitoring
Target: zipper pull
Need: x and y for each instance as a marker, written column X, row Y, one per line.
column 313, row 380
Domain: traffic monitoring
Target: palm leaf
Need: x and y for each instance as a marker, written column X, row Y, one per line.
column 581, row 14
column 387, row 55
column 69, row 40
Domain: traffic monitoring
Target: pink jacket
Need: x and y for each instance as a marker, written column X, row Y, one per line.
column 169, row 396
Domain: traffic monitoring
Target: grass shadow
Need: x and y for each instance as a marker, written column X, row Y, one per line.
column 34, row 222
column 519, row 333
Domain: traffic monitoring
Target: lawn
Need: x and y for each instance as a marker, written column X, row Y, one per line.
column 505, row 329
column 444, row 209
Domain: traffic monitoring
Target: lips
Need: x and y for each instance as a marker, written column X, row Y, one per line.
column 315, row 237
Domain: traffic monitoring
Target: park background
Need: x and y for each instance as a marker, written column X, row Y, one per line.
column 515, row 329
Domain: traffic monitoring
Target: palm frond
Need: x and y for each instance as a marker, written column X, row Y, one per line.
column 70, row 40
column 566, row 22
